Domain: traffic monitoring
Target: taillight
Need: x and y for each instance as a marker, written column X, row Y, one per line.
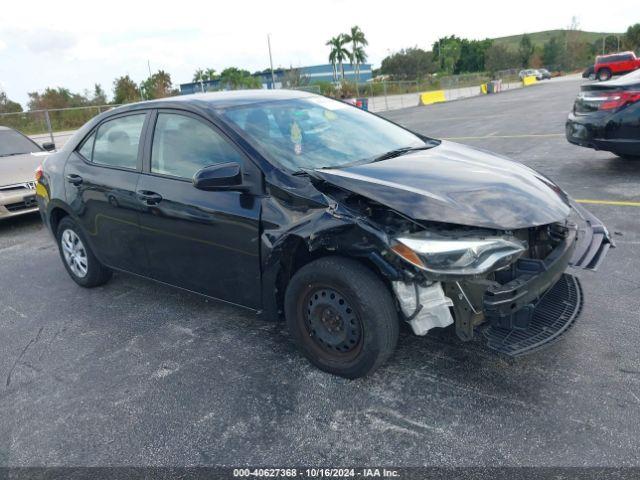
column 39, row 173
column 614, row 100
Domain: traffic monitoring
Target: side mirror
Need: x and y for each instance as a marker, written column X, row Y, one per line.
column 224, row 176
column 49, row 146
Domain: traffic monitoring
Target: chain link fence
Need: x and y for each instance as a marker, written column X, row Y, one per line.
column 382, row 95
column 42, row 123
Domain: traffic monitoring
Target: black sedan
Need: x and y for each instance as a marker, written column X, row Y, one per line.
column 606, row 116
column 345, row 224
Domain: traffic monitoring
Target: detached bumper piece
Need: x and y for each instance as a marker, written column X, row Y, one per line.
column 594, row 241
column 552, row 316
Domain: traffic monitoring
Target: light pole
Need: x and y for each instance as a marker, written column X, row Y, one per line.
column 273, row 78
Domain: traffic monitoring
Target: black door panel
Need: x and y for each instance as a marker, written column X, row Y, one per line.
column 106, row 205
column 101, row 180
column 203, row 241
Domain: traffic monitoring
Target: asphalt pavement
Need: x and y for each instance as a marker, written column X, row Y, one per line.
column 133, row 373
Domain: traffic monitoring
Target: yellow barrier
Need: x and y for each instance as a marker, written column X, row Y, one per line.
column 427, row 98
column 483, row 88
column 530, row 80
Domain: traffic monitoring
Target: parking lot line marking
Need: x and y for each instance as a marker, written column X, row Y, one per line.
column 610, row 202
column 524, row 135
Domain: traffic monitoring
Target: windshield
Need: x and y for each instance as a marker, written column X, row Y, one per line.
column 317, row 132
column 14, row 143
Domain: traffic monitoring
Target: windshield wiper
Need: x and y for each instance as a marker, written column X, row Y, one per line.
column 400, row 151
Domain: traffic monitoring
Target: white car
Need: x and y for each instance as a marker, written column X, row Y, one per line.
column 19, row 158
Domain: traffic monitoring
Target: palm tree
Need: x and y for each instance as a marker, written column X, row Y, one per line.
column 338, row 53
column 210, row 74
column 358, row 41
column 199, row 75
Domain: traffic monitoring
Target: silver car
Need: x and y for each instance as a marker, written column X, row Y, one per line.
column 19, row 158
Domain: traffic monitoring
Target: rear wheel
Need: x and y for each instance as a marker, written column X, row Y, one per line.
column 342, row 316
column 603, row 74
column 81, row 264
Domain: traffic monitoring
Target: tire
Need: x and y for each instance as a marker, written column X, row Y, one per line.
column 603, row 74
column 341, row 316
column 77, row 257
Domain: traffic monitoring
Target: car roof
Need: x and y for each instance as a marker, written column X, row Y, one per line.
column 5, row 128
column 219, row 100
column 600, row 57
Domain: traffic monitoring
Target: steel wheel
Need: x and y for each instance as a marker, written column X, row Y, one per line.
column 75, row 253
column 332, row 323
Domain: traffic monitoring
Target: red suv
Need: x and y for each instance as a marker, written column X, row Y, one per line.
column 615, row 64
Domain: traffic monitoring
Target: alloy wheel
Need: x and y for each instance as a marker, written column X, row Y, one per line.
column 75, row 253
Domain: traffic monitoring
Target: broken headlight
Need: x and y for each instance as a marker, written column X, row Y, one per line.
column 444, row 255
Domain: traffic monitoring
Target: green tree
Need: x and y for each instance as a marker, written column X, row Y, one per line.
column 99, row 96
column 158, row 85
column 199, row 75
column 410, row 63
column 498, row 57
column 210, row 74
column 631, row 38
column 125, row 90
column 611, row 43
column 294, row 78
column 8, row 106
column 358, row 42
column 446, row 51
column 525, row 50
column 234, row 78
column 338, row 54
column 552, row 52
column 472, row 55
column 54, row 98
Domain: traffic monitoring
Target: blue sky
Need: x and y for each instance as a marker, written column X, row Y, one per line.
column 78, row 43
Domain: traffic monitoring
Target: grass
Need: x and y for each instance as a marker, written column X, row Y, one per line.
column 540, row 38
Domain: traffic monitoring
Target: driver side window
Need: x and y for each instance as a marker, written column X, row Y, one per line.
column 183, row 145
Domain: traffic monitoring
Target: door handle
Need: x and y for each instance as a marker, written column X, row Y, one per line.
column 150, row 198
column 74, row 179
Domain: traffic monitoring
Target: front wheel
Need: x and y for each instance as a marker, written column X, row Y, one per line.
column 81, row 264
column 604, row 74
column 342, row 316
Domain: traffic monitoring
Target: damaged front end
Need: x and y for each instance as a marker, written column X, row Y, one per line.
column 512, row 285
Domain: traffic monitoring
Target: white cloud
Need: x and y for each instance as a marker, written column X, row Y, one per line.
column 76, row 44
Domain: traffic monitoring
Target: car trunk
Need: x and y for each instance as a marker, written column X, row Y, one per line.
column 597, row 97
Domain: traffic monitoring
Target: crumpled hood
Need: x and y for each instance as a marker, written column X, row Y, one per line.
column 453, row 183
column 20, row 168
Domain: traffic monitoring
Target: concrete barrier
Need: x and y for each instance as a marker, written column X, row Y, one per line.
column 427, row 98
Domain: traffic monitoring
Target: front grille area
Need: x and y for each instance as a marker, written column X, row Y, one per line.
column 27, row 203
column 18, row 186
column 553, row 315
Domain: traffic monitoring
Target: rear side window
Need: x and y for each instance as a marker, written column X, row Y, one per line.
column 183, row 145
column 116, row 142
column 86, row 150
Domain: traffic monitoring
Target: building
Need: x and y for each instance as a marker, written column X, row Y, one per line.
column 315, row 73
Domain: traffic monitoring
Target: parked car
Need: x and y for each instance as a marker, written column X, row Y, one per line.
column 616, row 64
column 531, row 72
column 19, row 156
column 543, row 74
column 606, row 116
column 589, row 72
column 298, row 206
